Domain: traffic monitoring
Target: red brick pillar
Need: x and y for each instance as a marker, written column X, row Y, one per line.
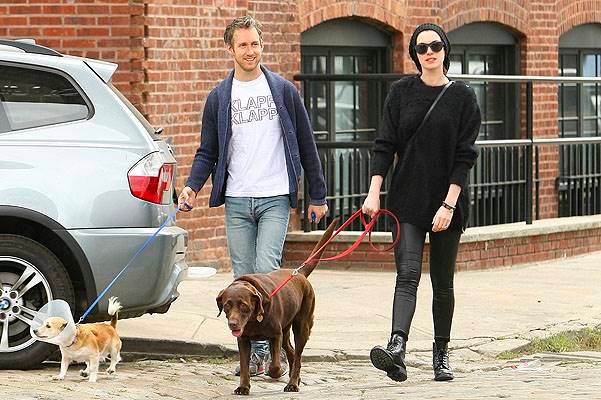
column 540, row 57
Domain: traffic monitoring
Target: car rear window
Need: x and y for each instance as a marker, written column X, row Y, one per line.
column 35, row 97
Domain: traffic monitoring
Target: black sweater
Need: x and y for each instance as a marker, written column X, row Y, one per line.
column 440, row 154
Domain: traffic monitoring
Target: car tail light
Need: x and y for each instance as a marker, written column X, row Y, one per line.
column 150, row 178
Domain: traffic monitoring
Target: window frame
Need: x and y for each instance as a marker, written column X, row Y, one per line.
column 61, row 73
column 509, row 55
column 580, row 56
column 383, row 64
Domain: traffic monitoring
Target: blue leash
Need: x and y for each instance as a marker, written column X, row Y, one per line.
column 140, row 250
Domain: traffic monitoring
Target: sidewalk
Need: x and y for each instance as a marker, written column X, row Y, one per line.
column 495, row 310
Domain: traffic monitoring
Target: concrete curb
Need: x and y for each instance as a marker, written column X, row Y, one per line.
column 136, row 349
column 142, row 348
column 591, row 356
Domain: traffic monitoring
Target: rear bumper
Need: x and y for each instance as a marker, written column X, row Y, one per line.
column 150, row 281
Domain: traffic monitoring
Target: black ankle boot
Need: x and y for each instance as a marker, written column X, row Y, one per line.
column 391, row 359
column 440, row 362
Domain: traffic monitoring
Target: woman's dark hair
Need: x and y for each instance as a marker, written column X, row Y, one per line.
column 443, row 37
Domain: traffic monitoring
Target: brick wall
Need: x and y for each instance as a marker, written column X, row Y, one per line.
column 479, row 249
column 107, row 30
column 170, row 54
column 538, row 25
column 185, row 59
column 389, row 15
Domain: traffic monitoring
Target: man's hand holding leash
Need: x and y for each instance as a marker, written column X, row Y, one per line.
column 187, row 199
column 317, row 212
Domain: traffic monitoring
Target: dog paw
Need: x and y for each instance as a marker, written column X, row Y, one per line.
column 244, row 391
column 58, row 378
column 84, row 373
column 291, row 388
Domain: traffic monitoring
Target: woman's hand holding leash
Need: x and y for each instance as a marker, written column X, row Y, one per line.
column 371, row 205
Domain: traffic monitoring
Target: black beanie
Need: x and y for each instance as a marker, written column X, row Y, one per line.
column 443, row 36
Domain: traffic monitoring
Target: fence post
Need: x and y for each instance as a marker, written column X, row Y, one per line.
column 529, row 150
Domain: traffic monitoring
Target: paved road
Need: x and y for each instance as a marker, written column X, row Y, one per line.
column 534, row 378
column 497, row 310
column 354, row 308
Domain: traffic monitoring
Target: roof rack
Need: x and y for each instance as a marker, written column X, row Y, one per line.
column 29, row 46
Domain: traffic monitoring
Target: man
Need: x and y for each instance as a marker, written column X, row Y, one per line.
column 255, row 136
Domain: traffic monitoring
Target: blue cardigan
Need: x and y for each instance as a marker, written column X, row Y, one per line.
column 299, row 145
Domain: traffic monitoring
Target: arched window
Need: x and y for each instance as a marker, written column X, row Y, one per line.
column 496, row 186
column 345, row 46
column 484, row 48
column 579, row 106
column 345, row 114
column 579, row 115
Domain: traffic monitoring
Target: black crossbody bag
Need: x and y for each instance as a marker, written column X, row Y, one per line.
column 421, row 125
column 444, row 89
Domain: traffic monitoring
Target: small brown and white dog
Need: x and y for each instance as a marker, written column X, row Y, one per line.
column 90, row 343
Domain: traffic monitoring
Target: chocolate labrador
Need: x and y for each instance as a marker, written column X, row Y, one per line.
column 253, row 315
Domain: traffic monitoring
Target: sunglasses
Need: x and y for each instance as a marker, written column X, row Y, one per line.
column 422, row 48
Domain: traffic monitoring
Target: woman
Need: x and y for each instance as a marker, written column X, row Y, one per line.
column 429, row 190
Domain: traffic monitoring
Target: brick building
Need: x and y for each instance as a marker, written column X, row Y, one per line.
column 171, row 54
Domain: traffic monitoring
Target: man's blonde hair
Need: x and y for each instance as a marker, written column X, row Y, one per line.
column 245, row 22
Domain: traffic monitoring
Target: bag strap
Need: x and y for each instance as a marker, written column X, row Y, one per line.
column 444, row 89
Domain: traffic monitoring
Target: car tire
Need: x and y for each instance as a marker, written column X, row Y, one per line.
column 24, row 259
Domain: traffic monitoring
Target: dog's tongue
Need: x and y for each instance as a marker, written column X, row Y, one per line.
column 237, row 333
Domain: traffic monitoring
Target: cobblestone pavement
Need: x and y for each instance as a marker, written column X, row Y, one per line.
column 533, row 378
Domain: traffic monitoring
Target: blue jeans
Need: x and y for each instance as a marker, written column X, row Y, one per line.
column 256, row 229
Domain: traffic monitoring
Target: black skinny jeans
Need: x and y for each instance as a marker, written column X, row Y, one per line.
column 408, row 259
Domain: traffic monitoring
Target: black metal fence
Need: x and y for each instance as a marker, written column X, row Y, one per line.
column 499, row 182
column 504, row 183
column 579, row 179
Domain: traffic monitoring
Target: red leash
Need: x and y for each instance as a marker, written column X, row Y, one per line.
column 366, row 231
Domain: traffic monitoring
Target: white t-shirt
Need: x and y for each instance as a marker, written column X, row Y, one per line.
column 256, row 162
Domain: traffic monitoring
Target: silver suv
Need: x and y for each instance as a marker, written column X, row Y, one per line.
column 84, row 181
